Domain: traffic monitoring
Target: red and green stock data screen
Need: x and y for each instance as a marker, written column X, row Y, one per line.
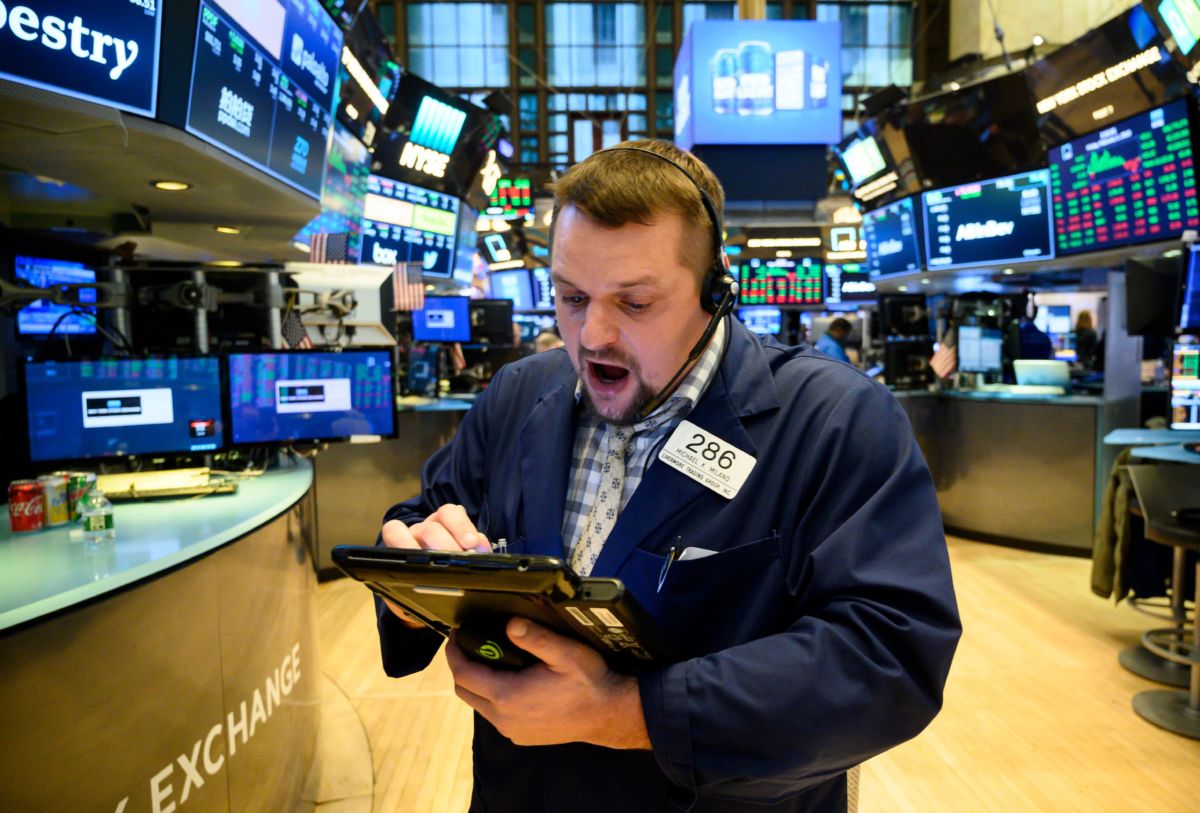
column 1130, row 183
column 781, row 282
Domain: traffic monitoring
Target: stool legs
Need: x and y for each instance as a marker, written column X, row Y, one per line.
column 1174, row 710
column 1144, row 663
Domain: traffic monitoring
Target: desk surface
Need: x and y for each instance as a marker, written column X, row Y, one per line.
column 1004, row 397
column 1162, row 489
column 1139, row 437
column 1169, row 454
column 47, row 571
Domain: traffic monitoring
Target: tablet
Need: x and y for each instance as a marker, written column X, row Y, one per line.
column 476, row 594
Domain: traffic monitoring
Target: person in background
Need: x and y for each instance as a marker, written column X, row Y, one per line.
column 833, row 342
column 1026, row 340
column 547, row 340
column 1085, row 338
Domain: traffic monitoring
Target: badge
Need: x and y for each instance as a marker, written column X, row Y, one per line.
column 707, row 459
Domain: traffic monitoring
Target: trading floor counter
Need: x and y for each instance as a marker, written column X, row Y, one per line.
column 1014, row 468
column 176, row 664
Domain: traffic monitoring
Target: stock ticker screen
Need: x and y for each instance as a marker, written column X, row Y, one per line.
column 406, row 223
column 1130, row 183
column 781, row 282
column 1185, row 387
column 893, row 241
column 846, row 283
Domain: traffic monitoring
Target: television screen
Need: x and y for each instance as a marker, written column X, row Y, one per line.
column 344, row 11
column 513, row 285
column 443, row 319
column 1130, row 183
column 979, row 349
column 759, row 82
column 1185, row 387
column 492, row 322
column 1113, row 71
column 765, row 321
column 781, row 282
column 107, row 53
column 1152, row 296
column 263, row 83
column 405, row 223
column 39, row 317
column 114, row 407
column 290, row 396
column 543, row 289
column 1180, row 20
column 343, row 193
column 893, row 239
column 904, row 315
column 1005, row 220
column 863, row 159
column 499, row 247
column 367, row 78
column 532, row 324
column 512, row 198
column 847, row 283
column 1189, row 312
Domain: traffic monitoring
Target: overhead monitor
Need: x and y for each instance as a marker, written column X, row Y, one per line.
column 1152, row 296
column 263, row 84
column 310, row 396
column 492, row 322
column 367, row 78
column 989, row 223
column 500, row 247
column 543, row 289
column 344, row 12
column 105, row 53
column 904, row 315
column 1179, row 20
column 443, row 319
column 847, row 284
column 512, row 198
column 863, row 159
column 1133, row 182
column 1054, row 320
column 406, row 223
column 343, row 194
column 1189, row 311
column 893, row 238
column 781, row 282
column 532, row 324
column 763, row 320
column 979, row 349
column 759, row 82
column 513, row 285
column 41, row 316
column 1185, row 386
column 81, row 410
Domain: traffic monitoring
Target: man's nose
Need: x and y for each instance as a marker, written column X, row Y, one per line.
column 599, row 328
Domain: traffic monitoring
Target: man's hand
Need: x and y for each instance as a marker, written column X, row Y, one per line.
column 572, row 696
column 448, row 528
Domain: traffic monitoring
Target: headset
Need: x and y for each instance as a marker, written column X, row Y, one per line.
column 718, row 289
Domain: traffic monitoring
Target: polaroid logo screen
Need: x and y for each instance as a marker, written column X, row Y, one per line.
column 88, row 409
column 280, row 397
column 262, row 86
column 893, row 240
column 405, row 223
column 39, row 317
column 1004, row 220
column 443, row 319
column 102, row 52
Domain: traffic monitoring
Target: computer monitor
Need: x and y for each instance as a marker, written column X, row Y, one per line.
column 979, row 349
column 514, row 285
column 543, row 289
column 79, row 410
column 424, row 370
column 1152, row 296
column 443, row 319
column 1185, row 386
column 1042, row 373
column 903, row 315
column 1189, row 310
column 765, row 321
column 532, row 324
column 39, row 317
column 906, row 364
column 280, row 397
column 492, row 322
column 1054, row 320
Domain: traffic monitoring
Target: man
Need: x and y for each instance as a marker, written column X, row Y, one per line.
column 812, row 605
column 833, row 342
column 547, row 340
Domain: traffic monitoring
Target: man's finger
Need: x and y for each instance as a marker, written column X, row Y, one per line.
column 455, row 520
column 432, row 535
column 556, row 651
column 397, row 535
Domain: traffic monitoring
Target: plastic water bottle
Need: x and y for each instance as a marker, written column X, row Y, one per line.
column 97, row 518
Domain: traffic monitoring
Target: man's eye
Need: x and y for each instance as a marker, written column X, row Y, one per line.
column 636, row 307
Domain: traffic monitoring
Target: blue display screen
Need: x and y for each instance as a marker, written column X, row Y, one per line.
column 759, row 82
column 39, row 317
column 443, row 319
column 893, row 239
column 513, row 285
column 1189, row 314
column 263, row 83
column 112, row 407
column 278, row 397
column 543, row 289
column 102, row 52
column 403, row 223
column 764, row 321
column 1004, row 220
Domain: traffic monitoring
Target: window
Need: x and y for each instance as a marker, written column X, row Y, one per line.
column 459, row 44
column 591, row 44
column 876, row 42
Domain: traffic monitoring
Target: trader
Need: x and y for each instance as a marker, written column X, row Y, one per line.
column 805, row 585
column 833, row 341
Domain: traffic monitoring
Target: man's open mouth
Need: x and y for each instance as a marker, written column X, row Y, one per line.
column 607, row 373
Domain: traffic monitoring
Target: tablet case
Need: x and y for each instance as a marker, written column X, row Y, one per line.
column 476, row 594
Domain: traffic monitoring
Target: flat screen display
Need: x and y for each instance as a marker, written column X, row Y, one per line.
column 765, row 321
column 443, row 319
column 847, row 283
column 1054, row 319
column 1130, row 183
column 405, row 223
column 893, row 239
column 759, row 82
column 513, row 285
column 532, row 324
column 1185, row 387
column 105, row 53
column 263, row 83
column 1180, row 20
column 863, row 159
column 543, row 289
column 1004, row 220
column 979, row 349
column 114, row 407
column 39, row 317
column 367, row 78
column 781, row 282
column 512, row 198
column 279, row 397
column 1189, row 312
column 343, row 193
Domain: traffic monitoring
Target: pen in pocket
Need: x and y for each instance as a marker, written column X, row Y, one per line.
column 672, row 555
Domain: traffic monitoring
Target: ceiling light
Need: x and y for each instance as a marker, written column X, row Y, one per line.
column 1008, row 271
column 300, row 245
column 1175, row 252
column 171, row 186
column 783, row 253
column 226, row 263
column 901, row 288
column 228, row 229
column 1039, row 40
column 925, row 280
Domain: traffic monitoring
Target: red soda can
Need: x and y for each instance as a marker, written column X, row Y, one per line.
column 25, row 507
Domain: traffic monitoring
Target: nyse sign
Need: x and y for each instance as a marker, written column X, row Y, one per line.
column 102, row 52
column 423, row 159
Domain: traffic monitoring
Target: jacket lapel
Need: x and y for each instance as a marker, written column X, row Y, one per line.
column 547, row 440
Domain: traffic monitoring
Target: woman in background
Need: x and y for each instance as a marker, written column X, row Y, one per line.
column 1085, row 338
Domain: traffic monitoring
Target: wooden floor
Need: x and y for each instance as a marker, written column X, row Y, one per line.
column 1037, row 714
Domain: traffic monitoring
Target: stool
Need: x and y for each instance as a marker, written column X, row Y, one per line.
column 1140, row 658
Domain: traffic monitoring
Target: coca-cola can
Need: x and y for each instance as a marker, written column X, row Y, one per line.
column 54, row 493
column 25, row 508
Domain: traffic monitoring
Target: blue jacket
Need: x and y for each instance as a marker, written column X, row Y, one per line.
column 819, row 635
column 832, row 348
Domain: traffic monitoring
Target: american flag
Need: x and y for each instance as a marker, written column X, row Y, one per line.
column 408, row 287
column 294, row 332
column 944, row 360
column 329, row 248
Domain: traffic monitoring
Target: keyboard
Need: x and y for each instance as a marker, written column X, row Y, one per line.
column 144, row 485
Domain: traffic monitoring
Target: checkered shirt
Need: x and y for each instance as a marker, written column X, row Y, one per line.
column 648, row 435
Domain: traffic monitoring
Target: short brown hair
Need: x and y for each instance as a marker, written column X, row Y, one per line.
column 616, row 187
